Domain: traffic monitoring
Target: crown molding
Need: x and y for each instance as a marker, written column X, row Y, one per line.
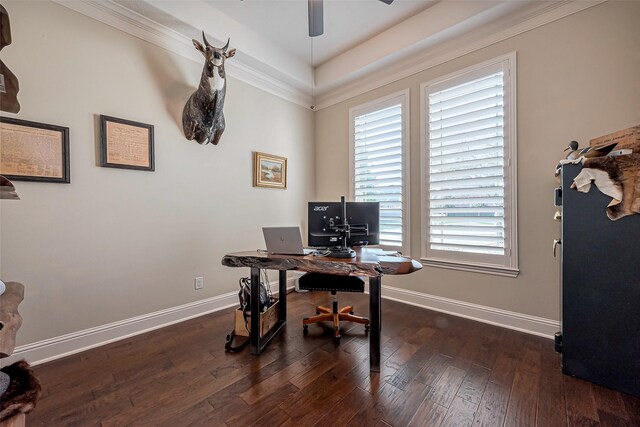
column 384, row 71
column 391, row 70
column 440, row 22
column 115, row 15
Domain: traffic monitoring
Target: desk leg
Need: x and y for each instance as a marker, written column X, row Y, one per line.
column 375, row 304
column 282, row 296
column 255, row 311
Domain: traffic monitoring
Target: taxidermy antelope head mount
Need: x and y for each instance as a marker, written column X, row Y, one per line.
column 202, row 117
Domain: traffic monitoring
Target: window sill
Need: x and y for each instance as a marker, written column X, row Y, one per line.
column 496, row 270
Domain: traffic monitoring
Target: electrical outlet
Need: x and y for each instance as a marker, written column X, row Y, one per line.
column 199, row 283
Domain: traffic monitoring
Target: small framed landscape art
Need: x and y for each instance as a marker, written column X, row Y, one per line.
column 126, row 144
column 31, row 151
column 269, row 171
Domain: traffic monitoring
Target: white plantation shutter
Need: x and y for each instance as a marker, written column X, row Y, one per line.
column 468, row 181
column 378, row 173
column 466, row 167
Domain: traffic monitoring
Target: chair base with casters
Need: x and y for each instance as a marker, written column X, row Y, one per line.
column 333, row 284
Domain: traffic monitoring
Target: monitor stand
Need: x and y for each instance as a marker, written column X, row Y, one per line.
column 342, row 253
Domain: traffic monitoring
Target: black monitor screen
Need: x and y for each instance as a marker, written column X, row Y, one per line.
column 364, row 218
column 320, row 216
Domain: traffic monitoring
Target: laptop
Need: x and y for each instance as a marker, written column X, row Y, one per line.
column 285, row 241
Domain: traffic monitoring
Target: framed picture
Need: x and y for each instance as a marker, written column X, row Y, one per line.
column 126, row 144
column 31, row 151
column 269, row 171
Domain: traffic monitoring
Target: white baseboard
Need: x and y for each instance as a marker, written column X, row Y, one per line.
column 66, row 345
column 507, row 319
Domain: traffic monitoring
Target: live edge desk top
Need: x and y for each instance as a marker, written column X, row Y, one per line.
column 369, row 262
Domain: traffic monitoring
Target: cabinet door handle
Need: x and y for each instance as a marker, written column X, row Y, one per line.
column 556, row 242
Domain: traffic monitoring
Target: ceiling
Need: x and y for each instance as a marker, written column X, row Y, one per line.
column 366, row 43
column 347, row 23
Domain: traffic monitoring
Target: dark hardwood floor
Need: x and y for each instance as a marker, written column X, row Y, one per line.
column 438, row 370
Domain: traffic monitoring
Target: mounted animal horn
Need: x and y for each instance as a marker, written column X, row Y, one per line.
column 203, row 115
column 206, row 43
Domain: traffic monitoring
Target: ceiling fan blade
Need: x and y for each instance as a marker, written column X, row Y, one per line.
column 316, row 18
column 387, row 1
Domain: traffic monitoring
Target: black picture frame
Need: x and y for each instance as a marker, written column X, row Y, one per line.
column 104, row 146
column 64, row 151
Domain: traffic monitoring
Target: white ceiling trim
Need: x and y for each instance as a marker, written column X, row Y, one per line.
column 117, row 16
column 191, row 17
column 393, row 70
column 433, row 51
column 442, row 21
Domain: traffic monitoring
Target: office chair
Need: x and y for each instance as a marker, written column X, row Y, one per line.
column 332, row 283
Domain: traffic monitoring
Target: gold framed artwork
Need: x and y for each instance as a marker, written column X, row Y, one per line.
column 31, row 151
column 269, row 171
column 126, row 144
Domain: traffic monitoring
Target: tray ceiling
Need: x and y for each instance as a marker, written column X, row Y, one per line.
column 363, row 38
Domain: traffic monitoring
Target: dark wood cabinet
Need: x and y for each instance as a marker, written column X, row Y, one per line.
column 600, row 290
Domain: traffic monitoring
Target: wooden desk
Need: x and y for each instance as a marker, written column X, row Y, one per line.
column 368, row 262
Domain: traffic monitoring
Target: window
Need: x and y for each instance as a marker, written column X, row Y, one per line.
column 469, row 171
column 379, row 167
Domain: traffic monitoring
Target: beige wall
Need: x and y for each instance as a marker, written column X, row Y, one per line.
column 115, row 244
column 577, row 79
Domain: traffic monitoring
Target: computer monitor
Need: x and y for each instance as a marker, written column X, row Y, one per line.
column 320, row 216
column 363, row 218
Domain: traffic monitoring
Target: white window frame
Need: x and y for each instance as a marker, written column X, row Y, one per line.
column 402, row 98
column 506, row 265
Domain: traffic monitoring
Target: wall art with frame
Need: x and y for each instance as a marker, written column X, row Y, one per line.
column 126, row 144
column 31, row 151
column 269, row 171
